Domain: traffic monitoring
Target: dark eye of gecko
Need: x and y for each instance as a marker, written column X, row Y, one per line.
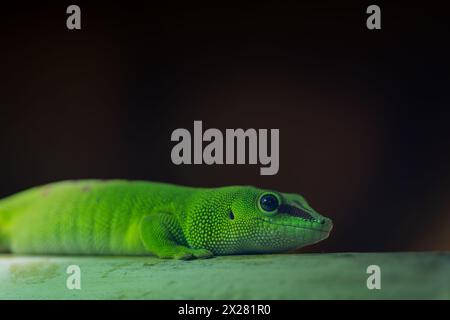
column 269, row 203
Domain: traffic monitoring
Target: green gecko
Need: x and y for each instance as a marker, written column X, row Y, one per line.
column 119, row 217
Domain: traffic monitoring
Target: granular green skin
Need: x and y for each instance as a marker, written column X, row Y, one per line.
column 120, row 217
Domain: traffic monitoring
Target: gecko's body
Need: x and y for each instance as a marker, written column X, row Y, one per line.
column 138, row 218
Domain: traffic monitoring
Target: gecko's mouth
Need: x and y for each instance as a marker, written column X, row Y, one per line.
column 271, row 222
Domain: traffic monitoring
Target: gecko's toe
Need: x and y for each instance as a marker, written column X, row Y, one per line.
column 202, row 253
column 187, row 254
column 184, row 256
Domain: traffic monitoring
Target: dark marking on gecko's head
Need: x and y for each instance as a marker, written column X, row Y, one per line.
column 298, row 211
column 243, row 219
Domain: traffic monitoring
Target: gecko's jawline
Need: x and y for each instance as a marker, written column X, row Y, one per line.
column 296, row 227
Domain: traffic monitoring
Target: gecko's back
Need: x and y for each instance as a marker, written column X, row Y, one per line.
column 82, row 217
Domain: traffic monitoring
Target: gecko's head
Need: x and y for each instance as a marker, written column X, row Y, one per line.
column 249, row 220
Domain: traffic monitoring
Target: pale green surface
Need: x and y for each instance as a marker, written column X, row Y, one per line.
column 295, row 276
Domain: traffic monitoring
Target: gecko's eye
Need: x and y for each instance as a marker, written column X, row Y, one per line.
column 269, row 202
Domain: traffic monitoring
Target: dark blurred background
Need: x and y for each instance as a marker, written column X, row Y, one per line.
column 363, row 115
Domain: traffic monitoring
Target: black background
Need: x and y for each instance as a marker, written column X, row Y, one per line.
column 363, row 115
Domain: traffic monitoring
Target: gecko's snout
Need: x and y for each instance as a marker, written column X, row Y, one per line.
column 326, row 223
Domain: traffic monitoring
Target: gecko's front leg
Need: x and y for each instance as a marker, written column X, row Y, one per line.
column 159, row 235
